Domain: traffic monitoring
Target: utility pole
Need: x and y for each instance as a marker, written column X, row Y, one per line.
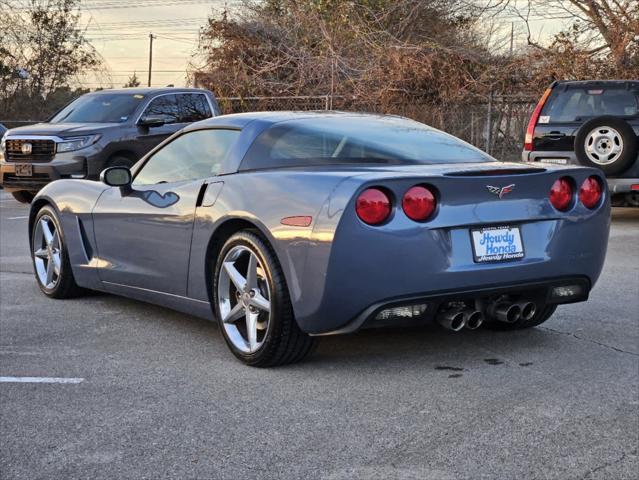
column 512, row 38
column 151, row 38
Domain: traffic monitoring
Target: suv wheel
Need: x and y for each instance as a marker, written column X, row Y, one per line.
column 23, row 196
column 607, row 143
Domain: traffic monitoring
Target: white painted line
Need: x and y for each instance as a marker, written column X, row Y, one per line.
column 17, row 218
column 39, row 380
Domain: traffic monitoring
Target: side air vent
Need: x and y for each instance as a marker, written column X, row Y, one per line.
column 88, row 250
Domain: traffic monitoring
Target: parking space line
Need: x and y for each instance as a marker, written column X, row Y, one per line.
column 17, row 218
column 39, row 380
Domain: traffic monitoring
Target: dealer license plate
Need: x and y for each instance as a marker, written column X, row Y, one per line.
column 24, row 170
column 497, row 244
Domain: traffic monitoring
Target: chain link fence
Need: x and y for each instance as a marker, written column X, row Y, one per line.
column 495, row 124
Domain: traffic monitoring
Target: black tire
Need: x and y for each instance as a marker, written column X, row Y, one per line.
column 624, row 159
column 23, row 196
column 543, row 314
column 283, row 342
column 65, row 286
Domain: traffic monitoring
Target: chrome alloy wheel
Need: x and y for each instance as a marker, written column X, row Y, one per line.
column 47, row 252
column 244, row 299
column 603, row 145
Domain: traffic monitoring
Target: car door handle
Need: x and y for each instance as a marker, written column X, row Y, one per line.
column 209, row 193
column 554, row 136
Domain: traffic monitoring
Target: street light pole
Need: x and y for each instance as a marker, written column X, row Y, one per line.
column 151, row 38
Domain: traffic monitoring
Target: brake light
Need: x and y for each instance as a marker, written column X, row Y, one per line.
column 561, row 194
column 419, row 203
column 530, row 131
column 590, row 191
column 373, row 206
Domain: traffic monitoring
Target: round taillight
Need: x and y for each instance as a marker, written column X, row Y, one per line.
column 419, row 203
column 561, row 194
column 373, row 206
column 590, row 191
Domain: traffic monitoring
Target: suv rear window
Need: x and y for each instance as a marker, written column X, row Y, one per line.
column 579, row 103
column 336, row 140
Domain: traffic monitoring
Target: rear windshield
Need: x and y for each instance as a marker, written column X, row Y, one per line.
column 335, row 140
column 99, row 108
column 576, row 104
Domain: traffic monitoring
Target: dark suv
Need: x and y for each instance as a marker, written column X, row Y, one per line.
column 591, row 123
column 95, row 131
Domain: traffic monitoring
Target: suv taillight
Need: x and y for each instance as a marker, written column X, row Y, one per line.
column 530, row 131
column 373, row 206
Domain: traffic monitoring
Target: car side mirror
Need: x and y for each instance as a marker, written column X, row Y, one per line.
column 151, row 121
column 117, row 177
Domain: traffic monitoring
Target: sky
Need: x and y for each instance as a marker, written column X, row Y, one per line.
column 119, row 30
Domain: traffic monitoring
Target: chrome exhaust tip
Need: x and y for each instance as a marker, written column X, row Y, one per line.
column 528, row 310
column 452, row 320
column 473, row 319
column 507, row 312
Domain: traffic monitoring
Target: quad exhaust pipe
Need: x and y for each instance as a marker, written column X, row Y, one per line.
column 502, row 310
column 508, row 312
column 457, row 318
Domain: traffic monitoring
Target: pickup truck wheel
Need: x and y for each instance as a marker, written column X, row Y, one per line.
column 607, row 143
column 23, row 196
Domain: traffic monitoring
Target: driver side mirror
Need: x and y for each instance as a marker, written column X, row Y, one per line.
column 117, row 177
column 151, row 121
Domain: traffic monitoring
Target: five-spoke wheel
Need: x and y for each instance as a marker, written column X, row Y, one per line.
column 244, row 299
column 252, row 304
column 50, row 257
column 46, row 252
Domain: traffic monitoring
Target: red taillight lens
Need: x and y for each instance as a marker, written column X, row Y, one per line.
column 590, row 191
column 373, row 206
column 419, row 203
column 561, row 194
column 530, row 131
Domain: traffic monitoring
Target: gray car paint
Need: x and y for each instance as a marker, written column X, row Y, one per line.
column 338, row 267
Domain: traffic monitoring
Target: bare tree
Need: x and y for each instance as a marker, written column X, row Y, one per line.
column 596, row 29
column 42, row 49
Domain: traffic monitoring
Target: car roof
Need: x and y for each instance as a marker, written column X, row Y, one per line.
column 583, row 83
column 148, row 90
column 239, row 120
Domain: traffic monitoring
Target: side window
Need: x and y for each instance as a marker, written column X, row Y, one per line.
column 191, row 156
column 193, row 107
column 164, row 105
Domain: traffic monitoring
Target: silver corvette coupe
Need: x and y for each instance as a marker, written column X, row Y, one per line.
column 284, row 227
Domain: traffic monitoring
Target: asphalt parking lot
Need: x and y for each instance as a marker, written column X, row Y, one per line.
column 161, row 397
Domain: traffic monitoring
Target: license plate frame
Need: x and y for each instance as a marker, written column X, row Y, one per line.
column 507, row 244
column 24, row 170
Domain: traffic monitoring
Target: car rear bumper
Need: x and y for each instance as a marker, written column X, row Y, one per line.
column 419, row 309
column 554, row 157
column 415, row 263
column 623, row 185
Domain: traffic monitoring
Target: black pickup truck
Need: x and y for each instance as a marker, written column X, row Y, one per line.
column 593, row 123
column 97, row 130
